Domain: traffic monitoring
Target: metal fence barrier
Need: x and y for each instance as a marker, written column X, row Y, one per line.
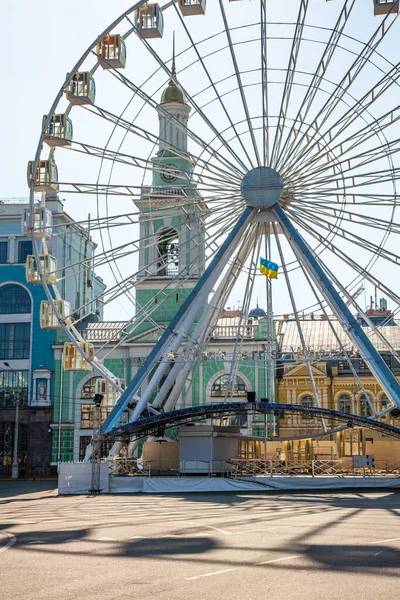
column 131, row 467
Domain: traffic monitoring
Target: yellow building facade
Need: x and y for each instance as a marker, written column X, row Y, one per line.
column 338, row 386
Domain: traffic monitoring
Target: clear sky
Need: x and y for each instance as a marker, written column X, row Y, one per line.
column 43, row 39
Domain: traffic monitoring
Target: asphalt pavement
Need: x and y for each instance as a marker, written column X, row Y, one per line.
column 198, row 546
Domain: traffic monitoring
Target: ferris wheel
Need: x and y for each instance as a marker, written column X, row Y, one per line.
column 206, row 141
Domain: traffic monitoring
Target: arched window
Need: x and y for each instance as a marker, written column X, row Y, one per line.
column 345, row 403
column 14, row 299
column 88, row 390
column 384, row 402
column 365, row 410
column 168, row 253
column 230, row 386
column 306, row 401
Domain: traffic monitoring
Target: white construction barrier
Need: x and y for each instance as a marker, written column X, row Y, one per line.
column 76, row 478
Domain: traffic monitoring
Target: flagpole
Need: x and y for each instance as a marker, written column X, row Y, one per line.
column 270, row 370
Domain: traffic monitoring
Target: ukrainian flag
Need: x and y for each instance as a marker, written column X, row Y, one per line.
column 269, row 268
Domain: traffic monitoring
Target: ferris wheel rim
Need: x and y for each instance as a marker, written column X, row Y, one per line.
column 116, row 22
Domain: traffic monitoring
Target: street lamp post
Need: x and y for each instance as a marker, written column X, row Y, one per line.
column 15, row 464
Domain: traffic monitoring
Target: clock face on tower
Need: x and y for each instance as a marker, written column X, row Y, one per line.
column 169, row 173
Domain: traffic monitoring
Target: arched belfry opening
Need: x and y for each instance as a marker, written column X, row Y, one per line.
column 168, row 253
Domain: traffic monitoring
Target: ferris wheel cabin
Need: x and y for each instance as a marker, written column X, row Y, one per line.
column 150, row 21
column 48, row 266
column 58, row 131
column 48, row 317
column 384, row 7
column 73, row 359
column 192, row 7
column 46, row 176
column 42, row 222
column 81, row 89
column 111, row 52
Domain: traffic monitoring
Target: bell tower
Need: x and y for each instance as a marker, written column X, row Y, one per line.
column 171, row 257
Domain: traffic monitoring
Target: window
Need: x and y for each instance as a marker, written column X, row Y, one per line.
column 226, row 385
column 345, row 403
column 84, row 441
column 13, row 386
column 365, row 410
column 384, row 402
column 89, row 389
column 7, row 432
column 306, row 401
column 24, row 249
column 14, row 340
column 3, row 252
column 14, row 299
column 168, row 253
column 90, row 415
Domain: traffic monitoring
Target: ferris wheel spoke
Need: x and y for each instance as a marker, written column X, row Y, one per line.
column 215, row 163
column 149, row 100
column 365, row 273
column 195, row 48
column 306, row 255
column 357, row 180
column 214, row 205
column 343, row 214
column 387, row 150
column 290, row 76
column 298, row 324
column 345, row 352
column 190, row 99
column 240, row 84
column 264, row 80
column 342, row 87
column 317, row 79
column 142, row 163
column 337, row 230
column 248, row 292
column 351, row 237
column 202, row 334
column 323, row 198
column 375, row 330
column 122, row 287
column 108, row 189
column 171, row 339
column 345, row 147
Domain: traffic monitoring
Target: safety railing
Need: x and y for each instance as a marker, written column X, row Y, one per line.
column 240, row 468
column 314, row 468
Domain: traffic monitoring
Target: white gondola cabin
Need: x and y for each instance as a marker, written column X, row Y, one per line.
column 42, row 222
column 48, row 317
column 150, row 21
column 81, row 88
column 58, row 131
column 46, row 176
column 73, row 359
column 109, row 392
column 383, row 7
column 48, row 266
column 192, row 7
column 111, row 52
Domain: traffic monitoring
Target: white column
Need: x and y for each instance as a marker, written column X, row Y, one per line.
column 11, row 251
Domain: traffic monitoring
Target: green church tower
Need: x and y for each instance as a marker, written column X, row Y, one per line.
column 171, row 256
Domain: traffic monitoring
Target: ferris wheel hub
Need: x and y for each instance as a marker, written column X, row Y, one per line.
column 262, row 187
